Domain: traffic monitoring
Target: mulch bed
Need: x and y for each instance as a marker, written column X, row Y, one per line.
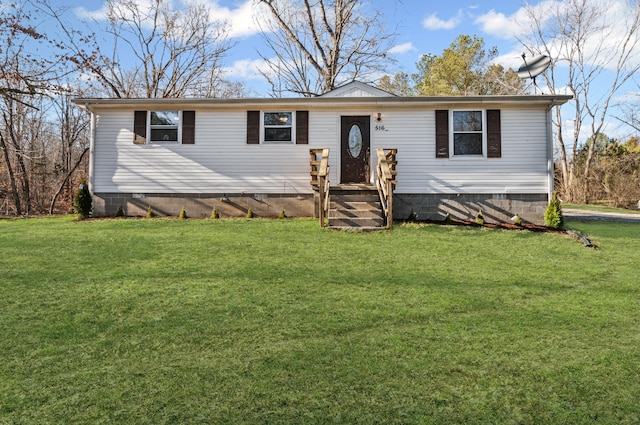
column 510, row 226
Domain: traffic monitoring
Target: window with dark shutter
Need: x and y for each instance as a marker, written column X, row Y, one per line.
column 140, row 127
column 442, row 133
column 494, row 134
column 302, row 127
column 253, row 127
column 188, row 127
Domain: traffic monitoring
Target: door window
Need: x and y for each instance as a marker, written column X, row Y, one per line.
column 355, row 141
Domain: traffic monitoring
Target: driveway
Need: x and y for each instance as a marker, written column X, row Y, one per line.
column 581, row 215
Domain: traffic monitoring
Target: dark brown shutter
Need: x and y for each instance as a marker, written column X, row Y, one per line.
column 494, row 134
column 302, row 127
column 253, row 127
column 442, row 133
column 188, row 127
column 140, row 127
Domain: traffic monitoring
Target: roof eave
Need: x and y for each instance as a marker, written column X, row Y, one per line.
column 549, row 100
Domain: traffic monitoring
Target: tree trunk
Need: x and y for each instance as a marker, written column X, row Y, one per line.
column 22, row 167
column 12, row 179
column 64, row 182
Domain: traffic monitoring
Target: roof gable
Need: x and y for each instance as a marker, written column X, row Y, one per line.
column 357, row 89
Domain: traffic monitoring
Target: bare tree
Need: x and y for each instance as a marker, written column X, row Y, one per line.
column 162, row 49
column 73, row 147
column 322, row 44
column 24, row 77
column 592, row 44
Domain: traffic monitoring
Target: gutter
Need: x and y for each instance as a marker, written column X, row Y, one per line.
column 92, row 138
column 550, row 162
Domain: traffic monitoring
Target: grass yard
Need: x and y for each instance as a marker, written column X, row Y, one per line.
column 277, row 321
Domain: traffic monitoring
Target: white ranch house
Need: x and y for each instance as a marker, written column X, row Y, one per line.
column 455, row 155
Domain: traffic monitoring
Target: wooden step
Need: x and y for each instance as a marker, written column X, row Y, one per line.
column 355, row 207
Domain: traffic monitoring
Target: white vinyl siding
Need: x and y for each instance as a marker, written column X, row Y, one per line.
column 222, row 162
column 521, row 169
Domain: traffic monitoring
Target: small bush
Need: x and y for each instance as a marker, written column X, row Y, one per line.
column 215, row 214
column 553, row 215
column 120, row 212
column 183, row 214
column 413, row 217
column 282, row 214
column 83, row 201
column 479, row 218
column 249, row 213
column 150, row 213
column 517, row 220
column 447, row 219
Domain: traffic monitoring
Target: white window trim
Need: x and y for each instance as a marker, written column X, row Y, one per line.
column 275, row 142
column 164, row 142
column 452, row 154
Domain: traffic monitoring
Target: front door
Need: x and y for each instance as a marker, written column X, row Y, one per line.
column 354, row 141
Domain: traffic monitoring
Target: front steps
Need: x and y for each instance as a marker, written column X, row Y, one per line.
column 355, row 207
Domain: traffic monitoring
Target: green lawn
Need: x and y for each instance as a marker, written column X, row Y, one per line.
column 278, row 321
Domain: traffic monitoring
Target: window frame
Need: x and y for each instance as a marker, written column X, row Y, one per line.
column 453, row 132
column 292, row 126
column 151, row 127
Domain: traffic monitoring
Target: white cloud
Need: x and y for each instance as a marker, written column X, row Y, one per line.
column 246, row 69
column 517, row 24
column 402, row 48
column 84, row 13
column 432, row 22
column 511, row 60
column 241, row 18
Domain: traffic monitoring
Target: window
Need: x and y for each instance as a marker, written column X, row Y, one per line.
column 471, row 133
column 164, row 126
column 468, row 133
column 278, row 126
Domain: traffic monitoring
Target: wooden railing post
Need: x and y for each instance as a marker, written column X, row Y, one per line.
column 386, row 181
column 320, row 180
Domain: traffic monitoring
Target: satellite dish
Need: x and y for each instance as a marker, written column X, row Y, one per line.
column 534, row 67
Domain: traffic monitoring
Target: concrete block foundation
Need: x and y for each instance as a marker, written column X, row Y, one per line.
column 201, row 205
column 495, row 208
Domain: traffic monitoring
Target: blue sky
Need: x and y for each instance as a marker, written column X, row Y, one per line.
column 421, row 27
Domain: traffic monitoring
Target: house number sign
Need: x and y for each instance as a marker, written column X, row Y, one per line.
column 380, row 127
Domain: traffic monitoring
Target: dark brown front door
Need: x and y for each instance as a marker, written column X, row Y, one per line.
column 354, row 140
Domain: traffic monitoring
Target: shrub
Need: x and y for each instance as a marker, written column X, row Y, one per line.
column 249, row 213
column 553, row 215
column 120, row 212
column 479, row 218
column 413, row 217
column 282, row 214
column 83, row 200
column 183, row 214
column 447, row 219
column 215, row 214
column 150, row 213
column 517, row 220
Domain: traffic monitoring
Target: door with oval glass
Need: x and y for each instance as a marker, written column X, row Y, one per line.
column 355, row 142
